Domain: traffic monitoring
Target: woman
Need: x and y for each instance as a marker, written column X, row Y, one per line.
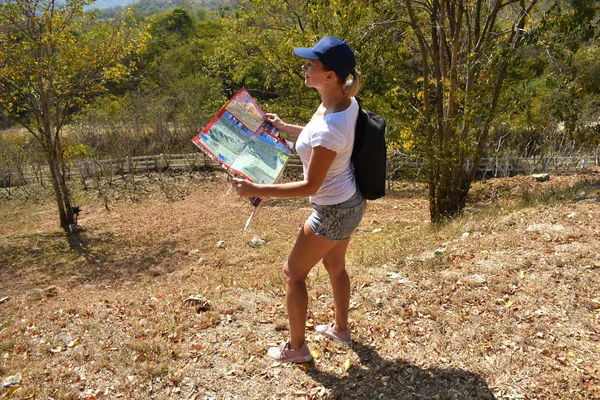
column 324, row 146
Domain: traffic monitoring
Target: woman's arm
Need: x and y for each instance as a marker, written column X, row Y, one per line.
column 281, row 126
column 321, row 159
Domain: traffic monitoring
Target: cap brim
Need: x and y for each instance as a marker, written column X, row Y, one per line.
column 306, row 52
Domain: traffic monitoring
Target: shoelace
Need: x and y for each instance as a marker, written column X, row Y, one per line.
column 287, row 346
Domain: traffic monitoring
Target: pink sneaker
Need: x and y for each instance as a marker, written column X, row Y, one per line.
column 284, row 353
column 342, row 337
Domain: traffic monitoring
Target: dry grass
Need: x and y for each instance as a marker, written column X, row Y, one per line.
column 509, row 311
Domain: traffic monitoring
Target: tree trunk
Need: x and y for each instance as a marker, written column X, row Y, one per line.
column 449, row 181
column 450, row 195
column 63, row 201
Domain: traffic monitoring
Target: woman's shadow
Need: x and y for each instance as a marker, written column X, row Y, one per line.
column 377, row 378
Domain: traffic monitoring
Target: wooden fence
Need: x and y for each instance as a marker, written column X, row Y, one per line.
column 500, row 166
column 398, row 163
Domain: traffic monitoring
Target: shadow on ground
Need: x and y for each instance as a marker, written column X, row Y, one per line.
column 378, row 378
column 36, row 261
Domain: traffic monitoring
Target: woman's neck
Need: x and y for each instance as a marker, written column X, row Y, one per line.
column 334, row 101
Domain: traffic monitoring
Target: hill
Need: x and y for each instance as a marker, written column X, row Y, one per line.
column 151, row 6
column 103, row 4
column 501, row 303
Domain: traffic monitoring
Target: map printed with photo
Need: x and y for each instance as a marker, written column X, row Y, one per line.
column 244, row 143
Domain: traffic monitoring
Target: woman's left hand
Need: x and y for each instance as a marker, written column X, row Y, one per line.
column 244, row 188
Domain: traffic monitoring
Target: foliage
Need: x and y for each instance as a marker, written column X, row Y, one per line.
column 550, row 105
column 55, row 58
column 535, row 94
column 259, row 53
column 17, row 152
column 465, row 53
column 176, row 95
column 59, row 59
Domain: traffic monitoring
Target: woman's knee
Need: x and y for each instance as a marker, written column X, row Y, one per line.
column 291, row 274
column 334, row 268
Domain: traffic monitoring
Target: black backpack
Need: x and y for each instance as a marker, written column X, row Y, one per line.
column 369, row 154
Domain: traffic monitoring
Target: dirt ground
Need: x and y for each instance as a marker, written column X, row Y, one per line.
column 500, row 303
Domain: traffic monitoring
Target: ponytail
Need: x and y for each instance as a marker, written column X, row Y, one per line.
column 351, row 87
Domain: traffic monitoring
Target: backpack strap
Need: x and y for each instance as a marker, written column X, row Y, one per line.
column 359, row 132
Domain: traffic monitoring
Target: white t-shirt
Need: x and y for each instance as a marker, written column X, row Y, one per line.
column 336, row 132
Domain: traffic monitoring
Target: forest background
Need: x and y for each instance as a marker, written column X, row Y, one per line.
column 524, row 83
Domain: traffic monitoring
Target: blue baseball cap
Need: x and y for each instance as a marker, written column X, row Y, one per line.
column 334, row 53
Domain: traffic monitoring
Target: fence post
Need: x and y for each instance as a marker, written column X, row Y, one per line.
column 160, row 162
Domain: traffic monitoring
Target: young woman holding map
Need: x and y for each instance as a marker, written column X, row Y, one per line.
column 324, row 146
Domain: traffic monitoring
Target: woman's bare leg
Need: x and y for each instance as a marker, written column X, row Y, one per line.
column 335, row 264
column 308, row 250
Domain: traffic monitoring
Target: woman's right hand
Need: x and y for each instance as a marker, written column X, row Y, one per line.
column 244, row 188
column 276, row 121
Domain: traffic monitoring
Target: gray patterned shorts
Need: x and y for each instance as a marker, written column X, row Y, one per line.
column 338, row 221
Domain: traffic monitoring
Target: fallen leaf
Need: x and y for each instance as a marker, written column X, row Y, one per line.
column 590, row 386
column 315, row 353
column 593, row 266
column 11, row 391
column 303, row 366
column 139, row 358
column 347, row 364
column 589, row 369
column 562, row 360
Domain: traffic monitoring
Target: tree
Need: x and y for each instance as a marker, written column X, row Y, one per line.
column 54, row 59
column 466, row 51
